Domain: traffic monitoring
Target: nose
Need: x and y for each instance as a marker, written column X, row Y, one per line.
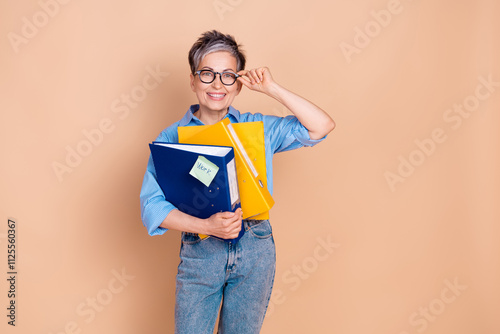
column 217, row 83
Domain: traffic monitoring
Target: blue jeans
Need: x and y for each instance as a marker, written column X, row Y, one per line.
column 239, row 275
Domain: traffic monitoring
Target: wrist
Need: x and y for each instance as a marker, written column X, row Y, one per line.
column 203, row 226
column 275, row 91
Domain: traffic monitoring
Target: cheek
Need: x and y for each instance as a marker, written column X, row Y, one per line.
column 233, row 91
column 199, row 88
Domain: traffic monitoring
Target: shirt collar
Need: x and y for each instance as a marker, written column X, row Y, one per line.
column 233, row 114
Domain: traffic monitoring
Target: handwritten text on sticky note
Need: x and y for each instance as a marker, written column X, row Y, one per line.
column 204, row 170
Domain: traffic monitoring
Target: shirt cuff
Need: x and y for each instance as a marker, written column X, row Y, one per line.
column 157, row 211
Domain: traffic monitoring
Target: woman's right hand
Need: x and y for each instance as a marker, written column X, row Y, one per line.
column 225, row 225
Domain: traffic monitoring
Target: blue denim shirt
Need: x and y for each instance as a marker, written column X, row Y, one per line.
column 280, row 134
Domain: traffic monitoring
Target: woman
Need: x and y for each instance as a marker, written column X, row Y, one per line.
column 212, row 271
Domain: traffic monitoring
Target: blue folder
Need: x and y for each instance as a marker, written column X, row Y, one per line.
column 173, row 163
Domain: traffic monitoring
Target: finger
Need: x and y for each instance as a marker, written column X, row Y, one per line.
column 255, row 76
column 260, row 73
column 245, row 81
column 235, row 228
column 237, row 217
column 244, row 78
column 226, row 215
column 236, row 232
column 240, row 212
column 233, row 220
column 249, row 76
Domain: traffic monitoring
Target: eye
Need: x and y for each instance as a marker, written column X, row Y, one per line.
column 206, row 74
column 229, row 75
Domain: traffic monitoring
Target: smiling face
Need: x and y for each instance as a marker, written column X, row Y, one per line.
column 215, row 97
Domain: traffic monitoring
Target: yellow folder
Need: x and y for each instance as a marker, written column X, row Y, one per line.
column 247, row 139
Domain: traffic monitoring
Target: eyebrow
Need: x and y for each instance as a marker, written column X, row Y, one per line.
column 209, row 68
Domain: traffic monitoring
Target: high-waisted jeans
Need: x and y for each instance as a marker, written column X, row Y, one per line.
column 239, row 275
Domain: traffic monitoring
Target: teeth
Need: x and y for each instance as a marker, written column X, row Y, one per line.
column 216, row 95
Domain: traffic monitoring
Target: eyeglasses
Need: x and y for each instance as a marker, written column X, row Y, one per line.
column 208, row 76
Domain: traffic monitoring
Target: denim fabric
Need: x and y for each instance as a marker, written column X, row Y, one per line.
column 239, row 275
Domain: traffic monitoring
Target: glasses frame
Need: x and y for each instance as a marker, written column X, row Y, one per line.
column 220, row 76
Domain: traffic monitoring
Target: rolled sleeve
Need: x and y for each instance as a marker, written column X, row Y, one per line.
column 302, row 135
column 287, row 133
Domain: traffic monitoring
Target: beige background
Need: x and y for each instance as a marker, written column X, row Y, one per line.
column 395, row 248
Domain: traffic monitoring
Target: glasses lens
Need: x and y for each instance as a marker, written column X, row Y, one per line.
column 207, row 76
column 228, row 78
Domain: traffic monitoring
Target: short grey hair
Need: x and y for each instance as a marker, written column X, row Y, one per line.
column 213, row 41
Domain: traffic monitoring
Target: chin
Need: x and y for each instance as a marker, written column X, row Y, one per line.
column 216, row 108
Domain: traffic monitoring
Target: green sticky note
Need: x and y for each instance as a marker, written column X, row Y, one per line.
column 204, row 170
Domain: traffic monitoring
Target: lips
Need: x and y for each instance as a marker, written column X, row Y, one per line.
column 216, row 96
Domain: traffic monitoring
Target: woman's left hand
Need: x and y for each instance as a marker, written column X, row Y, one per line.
column 258, row 79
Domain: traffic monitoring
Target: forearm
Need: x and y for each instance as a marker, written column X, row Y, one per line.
column 316, row 120
column 180, row 221
column 224, row 225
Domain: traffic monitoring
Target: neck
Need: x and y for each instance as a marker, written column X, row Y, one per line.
column 209, row 117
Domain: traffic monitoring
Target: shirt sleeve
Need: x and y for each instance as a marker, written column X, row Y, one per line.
column 154, row 206
column 287, row 133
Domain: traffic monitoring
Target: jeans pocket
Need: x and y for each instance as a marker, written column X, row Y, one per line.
column 261, row 230
column 190, row 238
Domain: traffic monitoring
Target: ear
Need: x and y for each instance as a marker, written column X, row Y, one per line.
column 191, row 76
